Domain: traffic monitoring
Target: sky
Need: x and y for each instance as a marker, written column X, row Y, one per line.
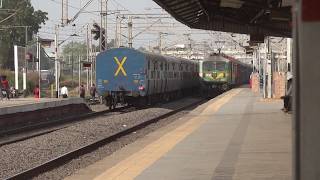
column 150, row 37
column 53, row 7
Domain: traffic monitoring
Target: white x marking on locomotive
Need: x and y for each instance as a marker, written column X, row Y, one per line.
column 120, row 66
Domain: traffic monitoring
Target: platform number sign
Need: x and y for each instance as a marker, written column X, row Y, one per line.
column 120, row 66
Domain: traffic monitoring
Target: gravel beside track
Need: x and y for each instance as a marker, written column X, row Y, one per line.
column 31, row 152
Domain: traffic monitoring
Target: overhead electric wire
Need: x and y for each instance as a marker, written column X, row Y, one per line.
column 80, row 11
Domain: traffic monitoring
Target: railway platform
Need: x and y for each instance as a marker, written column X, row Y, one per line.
column 22, row 111
column 16, row 105
column 237, row 135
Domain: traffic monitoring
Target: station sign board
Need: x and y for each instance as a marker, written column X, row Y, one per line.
column 86, row 64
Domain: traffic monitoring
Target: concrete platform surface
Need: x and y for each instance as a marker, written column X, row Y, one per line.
column 16, row 105
column 235, row 136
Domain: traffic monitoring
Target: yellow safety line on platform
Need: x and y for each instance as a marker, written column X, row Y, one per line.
column 135, row 164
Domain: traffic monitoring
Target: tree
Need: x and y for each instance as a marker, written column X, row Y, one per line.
column 143, row 49
column 25, row 15
column 75, row 49
column 80, row 48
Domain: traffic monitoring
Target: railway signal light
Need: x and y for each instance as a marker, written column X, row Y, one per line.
column 99, row 32
column 96, row 31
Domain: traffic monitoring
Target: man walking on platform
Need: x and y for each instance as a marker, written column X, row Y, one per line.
column 5, row 86
column 287, row 99
column 64, row 92
column 82, row 91
column 36, row 92
column 93, row 91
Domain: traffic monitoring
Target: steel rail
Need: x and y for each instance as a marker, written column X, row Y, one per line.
column 63, row 159
column 47, row 126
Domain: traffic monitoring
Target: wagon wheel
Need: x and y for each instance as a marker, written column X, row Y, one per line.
column 114, row 103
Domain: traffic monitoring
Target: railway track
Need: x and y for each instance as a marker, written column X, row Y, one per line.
column 38, row 129
column 62, row 159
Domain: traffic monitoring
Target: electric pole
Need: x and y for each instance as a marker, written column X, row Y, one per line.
column 130, row 31
column 91, row 57
column 56, row 61
column 103, row 24
column 189, row 45
column 64, row 15
column 39, row 63
column 160, row 42
column 118, row 31
column 79, row 58
column 87, row 43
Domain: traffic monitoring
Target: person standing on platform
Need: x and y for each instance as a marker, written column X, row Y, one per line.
column 64, row 92
column 287, row 99
column 82, row 91
column 36, row 92
column 1, row 95
column 5, row 86
column 93, row 91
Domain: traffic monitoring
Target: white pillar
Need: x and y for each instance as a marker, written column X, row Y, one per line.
column 24, row 76
column 289, row 54
column 306, row 22
column 269, row 68
column 16, row 67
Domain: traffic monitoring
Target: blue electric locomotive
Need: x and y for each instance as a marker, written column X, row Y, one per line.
column 130, row 76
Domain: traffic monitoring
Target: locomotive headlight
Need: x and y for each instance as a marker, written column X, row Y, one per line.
column 141, row 88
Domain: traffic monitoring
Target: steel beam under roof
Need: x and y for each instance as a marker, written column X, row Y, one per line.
column 269, row 18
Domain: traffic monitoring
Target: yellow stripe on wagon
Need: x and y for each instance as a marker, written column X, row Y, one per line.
column 120, row 66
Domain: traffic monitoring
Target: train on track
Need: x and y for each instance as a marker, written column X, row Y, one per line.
column 128, row 76
column 219, row 72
